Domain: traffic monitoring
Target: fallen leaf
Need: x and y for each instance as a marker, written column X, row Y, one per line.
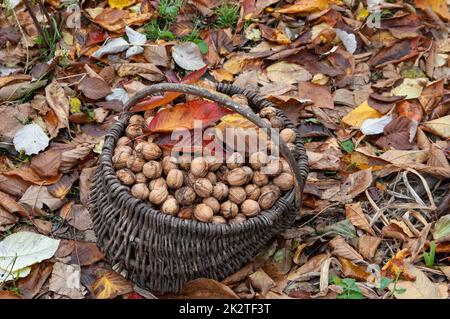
column 207, row 288
column 111, row 46
column 348, row 39
column 400, row 51
column 46, row 164
column 357, row 182
column 439, row 127
column 344, row 250
column 441, row 230
column 26, row 173
column 261, row 281
column 32, row 284
column 438, row 6
column 343, row 228
column 312, row 265
column 10, row 204
column 81, row 219
column 183, row 116
column 397, row 134
column 85, row 254
column 351, row 270
column 355, row 214
column 394, row 231
column 319, row 94
column 61, row 188
column 30, row 139
column 59, row 103
column 305, row 6
column 37, row 196
column 94, row 88
column 111, row 285
column 157, row 55
column 188, row 56
column 357, row 116
column 288, row 73
column 368, row 245
column 24, row 249
column 375, row 126
column 6, row 218
column 421, row 288
column 410, row 88
column 65, row 280
column 396, row 267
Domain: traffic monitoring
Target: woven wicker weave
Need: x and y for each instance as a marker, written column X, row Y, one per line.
column 161, row 252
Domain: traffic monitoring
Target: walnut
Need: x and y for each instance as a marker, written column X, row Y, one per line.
column 184, row 161
column 168, row 163
column 186, row 213
column 212, row 177
column 222, row 174
column 288, row 135
column 217, row 219
column 135, row 164
column 203, row 213
column 152, row 169
column 238, row 219
column 203, row 187
column 158, row 196
column 175, row 178
column 269, row 195
column 170, row 206
column 123, row 141
column 185, row 195
column 120, row 160
column 213, row 163
column 273, row 168
column 157, row 183
column 253, row 191
column 258, row 160
column 260, row 179
column 228, row 209
column 140, row 191
column 150, row 151
column 249, row 173
column 213, row 203
column 284, row 181
column 235, row 160
column 140, row 178
column 237, row 177
column 199, row 167
column 133, row 131
column 123, row 149
column 250, row 208
column 237, row 194
column 276, row 122
column 126, row 176
column 136, row 119
column 268, row 112
column 285, row 165
column 220, row 191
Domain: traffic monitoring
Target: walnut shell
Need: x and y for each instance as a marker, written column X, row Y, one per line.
column 157, row 183
column 237, row 194
column 213, row 163
column 237, row 177
column 203, row 187
column 150, row 151
column 253, row 191
column 135, row 164
column 222, row 174
column 260, row 179
column 152, row 169
column 123, row 149
column 123, row 141
column 185, row 195
column 120, row 160
column 276, row 122
column 284, row 181
column 203, row 213
column 268, row 112
column 288, row 135
column 126, row 176
column 184, row 161
column 133, row 131
column 175, row 178
column 286, row 167
column 258, row 160
column 136, row 119
column 212, row 177
column 168, row 163
column 217, row 219
column 228, row 209
column 250, row 208
column 140, row 178
column 213, row 203
column 273, row 168
column 199, row 167
column 140, row 191
column 239, row 218
column 158, row 196
column 186, row 213
column 269, row 195
column 235, row 160
column 249, row 173
column 170, row 207
column 220, row 191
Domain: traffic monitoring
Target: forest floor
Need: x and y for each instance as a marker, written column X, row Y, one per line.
column 365, row 82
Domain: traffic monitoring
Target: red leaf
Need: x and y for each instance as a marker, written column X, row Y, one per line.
column 184, row 115
column 155, row 101
column 95, row 37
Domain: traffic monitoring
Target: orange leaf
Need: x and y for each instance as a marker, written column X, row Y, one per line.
column 438, row 6
column 303, row 6
column 350, row 269
column 412, row 110
column 28, row 174
column 111, row 285
column 155, row 101
column 184, row 115
column 396, row 267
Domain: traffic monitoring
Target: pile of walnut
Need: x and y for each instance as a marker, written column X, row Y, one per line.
column 204, row 188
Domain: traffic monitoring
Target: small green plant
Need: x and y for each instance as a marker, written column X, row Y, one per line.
column 24, row 158
column 194, row 36
column 347, row 146
column 227, row 16
column 351, row 290
column 429, row 257
column 168, row 10
column 155, row 32
column 52, row 35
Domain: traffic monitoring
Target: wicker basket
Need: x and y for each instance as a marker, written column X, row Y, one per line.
column 161, row 252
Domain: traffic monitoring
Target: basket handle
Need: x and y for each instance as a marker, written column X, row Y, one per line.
column 229, row 103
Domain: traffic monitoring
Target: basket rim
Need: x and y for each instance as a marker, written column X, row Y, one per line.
column 268, row 216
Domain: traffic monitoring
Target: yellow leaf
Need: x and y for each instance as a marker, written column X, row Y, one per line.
column 362, row 13
column 234, row 120
column 120, row 4
column 287, row 73
column 438, row 6
column 111, row 285
column 440, row 126
column 305, row 6
column 363, row 112
column 412, row 88
column 234, row 65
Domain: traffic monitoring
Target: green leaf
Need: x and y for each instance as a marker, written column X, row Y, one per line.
column 429, row 257
column 385, row 282
column 348, row 146
column 442, row 227
column 400, row 290
column 343, row 228
column 201, row 45
column 75, row 105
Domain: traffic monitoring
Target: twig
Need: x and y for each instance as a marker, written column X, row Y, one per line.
column 36, row 22
column 24, row 38
column 45, row 12
column 316, row 215
column 379, row 212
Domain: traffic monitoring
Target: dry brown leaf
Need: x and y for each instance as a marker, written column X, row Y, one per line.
column 149, row 69
column 26, row 173
column 357, row 183
column 6, row 218
column 8, row 294
column 344, row 250
column 85, row 183
column 10, row 204
column 59, row 103
column 85, row 254
column 111, row 285
column 351, row 270
column 46, row 164
column 368, row 245
column 94, row 88
column 394, row 231
column 207, row 288
column 320, row 95
column 396, row 267
column 13, row 185
column 288, row 73
column 80, row 218
column 65, row 280
column 355, row 214
column 421, row 288
column 63, row 186
column 32, row 284
column 157, row 55
column 37, row 196
column 312, row 265
column 261, row 281
column 239, row 276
